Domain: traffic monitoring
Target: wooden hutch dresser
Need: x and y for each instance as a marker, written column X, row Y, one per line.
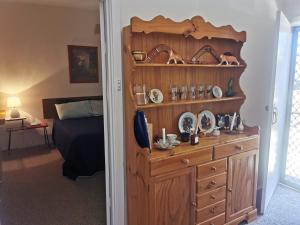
column 212, row 183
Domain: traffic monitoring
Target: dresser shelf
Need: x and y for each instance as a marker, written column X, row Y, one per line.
column 190, row 102
column 141, row 65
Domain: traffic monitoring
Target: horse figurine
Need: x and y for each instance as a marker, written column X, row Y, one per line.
column 229, row 59
column 174, row 57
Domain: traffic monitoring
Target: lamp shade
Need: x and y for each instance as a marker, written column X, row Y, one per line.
column 13, row 102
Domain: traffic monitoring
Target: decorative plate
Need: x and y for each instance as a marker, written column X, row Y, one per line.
column 156, row 96
column 187, row 121
column 207, row 121
column 217, row 92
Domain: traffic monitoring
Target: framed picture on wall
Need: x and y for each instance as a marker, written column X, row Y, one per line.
column 83, row 64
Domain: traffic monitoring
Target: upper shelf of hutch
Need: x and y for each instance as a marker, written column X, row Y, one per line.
column 196, row 27
column 138, row 65
column 189, row 102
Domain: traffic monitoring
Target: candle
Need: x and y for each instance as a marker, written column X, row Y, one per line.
column 232, row 122
column 164, row 135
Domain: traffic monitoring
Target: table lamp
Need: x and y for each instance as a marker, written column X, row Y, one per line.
column 12, row 104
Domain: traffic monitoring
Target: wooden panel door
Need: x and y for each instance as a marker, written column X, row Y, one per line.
column 172, row 198
column 242, row 184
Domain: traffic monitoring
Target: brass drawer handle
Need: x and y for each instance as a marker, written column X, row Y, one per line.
column 213, row 168
column 185, row 161
column 212, row 197
column 240, row 147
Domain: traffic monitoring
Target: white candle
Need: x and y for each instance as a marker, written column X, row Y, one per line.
column 232, row 122
column 164, row 135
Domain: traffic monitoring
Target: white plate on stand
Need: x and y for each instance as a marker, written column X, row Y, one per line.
column 186, row 122
column 207, row 121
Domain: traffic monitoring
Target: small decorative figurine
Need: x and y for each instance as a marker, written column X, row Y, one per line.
column 229, row 59
column 174, row 58
column 241, row 127
column 230, row 92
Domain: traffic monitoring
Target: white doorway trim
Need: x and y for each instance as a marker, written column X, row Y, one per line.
column 269, row 109
column 110, row 25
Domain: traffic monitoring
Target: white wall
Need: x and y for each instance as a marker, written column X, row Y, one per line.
column 34, row 57
column 257, row 17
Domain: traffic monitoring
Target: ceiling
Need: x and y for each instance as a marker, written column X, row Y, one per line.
column 291, row 9
column 85, row 4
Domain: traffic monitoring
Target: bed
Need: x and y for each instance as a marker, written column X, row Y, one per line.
column 79, row 140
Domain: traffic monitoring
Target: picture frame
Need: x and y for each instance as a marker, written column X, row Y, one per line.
column 83, row 64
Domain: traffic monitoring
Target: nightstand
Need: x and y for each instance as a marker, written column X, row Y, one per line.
column 23, row 127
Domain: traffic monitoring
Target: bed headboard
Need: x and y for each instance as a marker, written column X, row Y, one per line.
column 49, row 110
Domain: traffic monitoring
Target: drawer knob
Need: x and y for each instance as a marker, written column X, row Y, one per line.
column 212, row 197
column 194, row 204
column 213, row 183
column 213, row 168
column 213, row 210
column 239, row 147
column 185, row 161
column 229, row 190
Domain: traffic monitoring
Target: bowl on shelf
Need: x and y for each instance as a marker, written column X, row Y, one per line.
column 139, row 56
column 163, row 145
column 171, row 138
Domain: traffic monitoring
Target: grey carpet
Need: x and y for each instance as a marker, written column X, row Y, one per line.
column 34, row 192
column 284, row 208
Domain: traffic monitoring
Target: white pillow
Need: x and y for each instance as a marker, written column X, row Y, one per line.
column 73, row 110
column 96, row 107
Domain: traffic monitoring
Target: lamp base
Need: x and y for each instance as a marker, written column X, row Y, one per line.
column 14, row 113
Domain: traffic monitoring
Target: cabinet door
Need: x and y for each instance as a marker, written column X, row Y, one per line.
column 242, row 182
column 172, row 198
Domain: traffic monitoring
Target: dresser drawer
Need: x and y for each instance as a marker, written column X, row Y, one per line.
column 211, row 169
column 211, row 183
column 218, row 220
column 210, row 211
column 180, row 161
column 211, row 197
column 224, row 150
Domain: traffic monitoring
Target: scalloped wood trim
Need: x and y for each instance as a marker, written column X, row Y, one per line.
column 162, row 25
column 206, row 29
column 196, row 27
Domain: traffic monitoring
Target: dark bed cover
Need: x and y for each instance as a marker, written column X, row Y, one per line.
column 81, row 143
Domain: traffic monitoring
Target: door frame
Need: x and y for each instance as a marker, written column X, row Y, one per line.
column 269, row 108
column 289, row 105
column 112, row 79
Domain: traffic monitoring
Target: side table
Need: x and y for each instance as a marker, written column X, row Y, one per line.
column 43, row 125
